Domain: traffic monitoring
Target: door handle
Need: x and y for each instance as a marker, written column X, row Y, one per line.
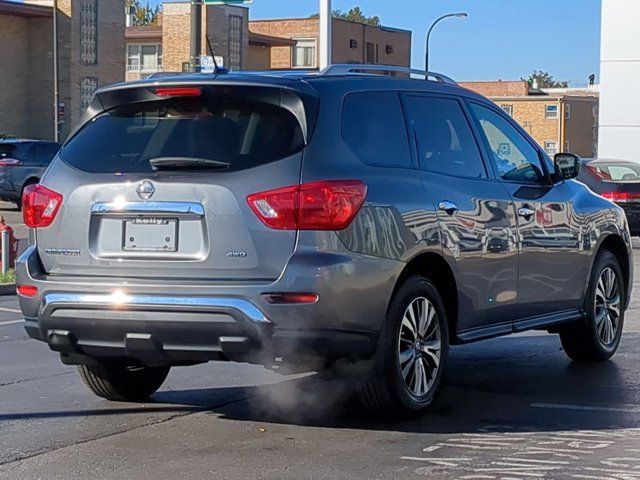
column 526, row 212
column 449, row 207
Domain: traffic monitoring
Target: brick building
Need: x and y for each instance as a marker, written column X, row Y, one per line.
column 352, row 43
column 91, row 46
column 560, row 120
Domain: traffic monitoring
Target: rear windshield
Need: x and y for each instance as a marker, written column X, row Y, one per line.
column 615, row 172
column 240, row 131
column 13, row 150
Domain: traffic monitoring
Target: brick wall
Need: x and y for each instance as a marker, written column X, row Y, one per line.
column 176, row 32
column 581, row 130
column 498, row 89
column 530, row 113
column 14, row 32
column 343, row 33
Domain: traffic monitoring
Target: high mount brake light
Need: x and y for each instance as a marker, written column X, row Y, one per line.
column 178, row 91
column 39, row 206
column 326, row 205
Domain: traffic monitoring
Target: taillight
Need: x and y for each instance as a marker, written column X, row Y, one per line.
column 621, row 197
column 178, row 91
column 329, row 205
column 39, row 206
column 10, row 162
column 28, row 291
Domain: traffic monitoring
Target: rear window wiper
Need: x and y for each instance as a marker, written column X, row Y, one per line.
column 186, row 163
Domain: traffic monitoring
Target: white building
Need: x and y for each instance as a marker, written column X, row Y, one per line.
column 620, row 77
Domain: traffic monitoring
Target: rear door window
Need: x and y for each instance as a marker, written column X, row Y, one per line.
column 228, row 128
column 444, row 138
column 373, row 127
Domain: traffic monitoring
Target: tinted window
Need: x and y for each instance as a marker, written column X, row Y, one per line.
column 15, row 150
column 373, row 127
column 43, row 153
column 237, row 130
column 445, row 141
column 516, row 159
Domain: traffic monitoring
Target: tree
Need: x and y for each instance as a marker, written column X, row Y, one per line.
column 143, row 15
column 354, row 15
column 545, row 80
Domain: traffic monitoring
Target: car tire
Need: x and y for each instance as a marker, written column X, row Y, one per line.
column 596, row 337
column 122, row 381
column 407, row 369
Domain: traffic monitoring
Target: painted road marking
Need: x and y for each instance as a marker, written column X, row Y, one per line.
column 11, row 322
column 10, row 310
column 587, row 408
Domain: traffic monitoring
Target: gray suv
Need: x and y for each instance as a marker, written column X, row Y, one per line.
column 359, row 220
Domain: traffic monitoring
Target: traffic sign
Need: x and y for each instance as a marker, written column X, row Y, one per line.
column 226, row 2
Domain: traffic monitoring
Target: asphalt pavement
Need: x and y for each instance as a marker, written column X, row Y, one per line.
column 511, row 408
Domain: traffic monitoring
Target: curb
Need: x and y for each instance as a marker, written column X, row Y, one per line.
column 7, row 289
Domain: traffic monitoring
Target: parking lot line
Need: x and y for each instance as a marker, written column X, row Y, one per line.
column 587, row 408
column 11, row 322
column 10, row 310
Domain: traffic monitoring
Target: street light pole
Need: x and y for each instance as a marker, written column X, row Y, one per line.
column 56, row 86
column 325, row 33
column 449, row 15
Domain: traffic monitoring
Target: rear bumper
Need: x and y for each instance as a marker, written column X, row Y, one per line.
column 160, row 323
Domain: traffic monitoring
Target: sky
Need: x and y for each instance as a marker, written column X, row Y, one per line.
column 501, row 39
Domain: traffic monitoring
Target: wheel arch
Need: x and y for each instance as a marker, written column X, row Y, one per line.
column 616, row 245
column 435, row 268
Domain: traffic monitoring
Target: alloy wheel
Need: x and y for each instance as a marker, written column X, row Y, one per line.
column 607, row 306
column 419, row 346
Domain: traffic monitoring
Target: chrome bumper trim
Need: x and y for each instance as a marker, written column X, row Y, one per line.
column 120, row 300
column 156, row 208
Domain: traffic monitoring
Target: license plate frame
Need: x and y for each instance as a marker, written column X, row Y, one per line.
column 150, row 234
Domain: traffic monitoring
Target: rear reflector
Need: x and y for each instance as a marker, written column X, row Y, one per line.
column 178, row 91
column 330, row 205
column 28, row 291
column 283, row 298
column 10, row 162
column 622, row 197
column 39, row 206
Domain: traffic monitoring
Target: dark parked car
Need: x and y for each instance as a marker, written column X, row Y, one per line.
column 348, row 220
column 618, row 181
column 22, row 163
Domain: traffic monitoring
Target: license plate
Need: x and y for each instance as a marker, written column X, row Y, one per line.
column 150, row 235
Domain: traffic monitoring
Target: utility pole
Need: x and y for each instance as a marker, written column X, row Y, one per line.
column 196, row 35
column 325, row 33
column 56, row 86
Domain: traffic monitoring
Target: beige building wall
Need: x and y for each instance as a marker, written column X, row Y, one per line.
column 14, row 31
column 344, row 32
column 577, row 133
column 259, row 58
column 40, row 74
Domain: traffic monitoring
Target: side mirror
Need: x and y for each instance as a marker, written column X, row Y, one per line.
column 567, row 166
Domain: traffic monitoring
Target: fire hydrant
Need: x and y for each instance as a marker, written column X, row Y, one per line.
column 13, row 243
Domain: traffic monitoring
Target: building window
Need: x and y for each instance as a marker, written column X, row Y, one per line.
column 567, row 111
column 89, row 32
column 389, row 50
column 353, row 44
column 551, row 147
column 304, row 53
column 551, row 111
column 88, row 87
column 508, row 109
column 144, row 58
column 235, row 42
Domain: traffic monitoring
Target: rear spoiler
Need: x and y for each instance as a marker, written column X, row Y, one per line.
column 295, row 96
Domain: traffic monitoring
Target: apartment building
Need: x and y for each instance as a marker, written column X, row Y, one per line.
column 90, row 42
column 560, row 120
column 351, row 43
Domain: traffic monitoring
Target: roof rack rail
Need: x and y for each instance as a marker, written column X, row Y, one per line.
column 353, row 68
